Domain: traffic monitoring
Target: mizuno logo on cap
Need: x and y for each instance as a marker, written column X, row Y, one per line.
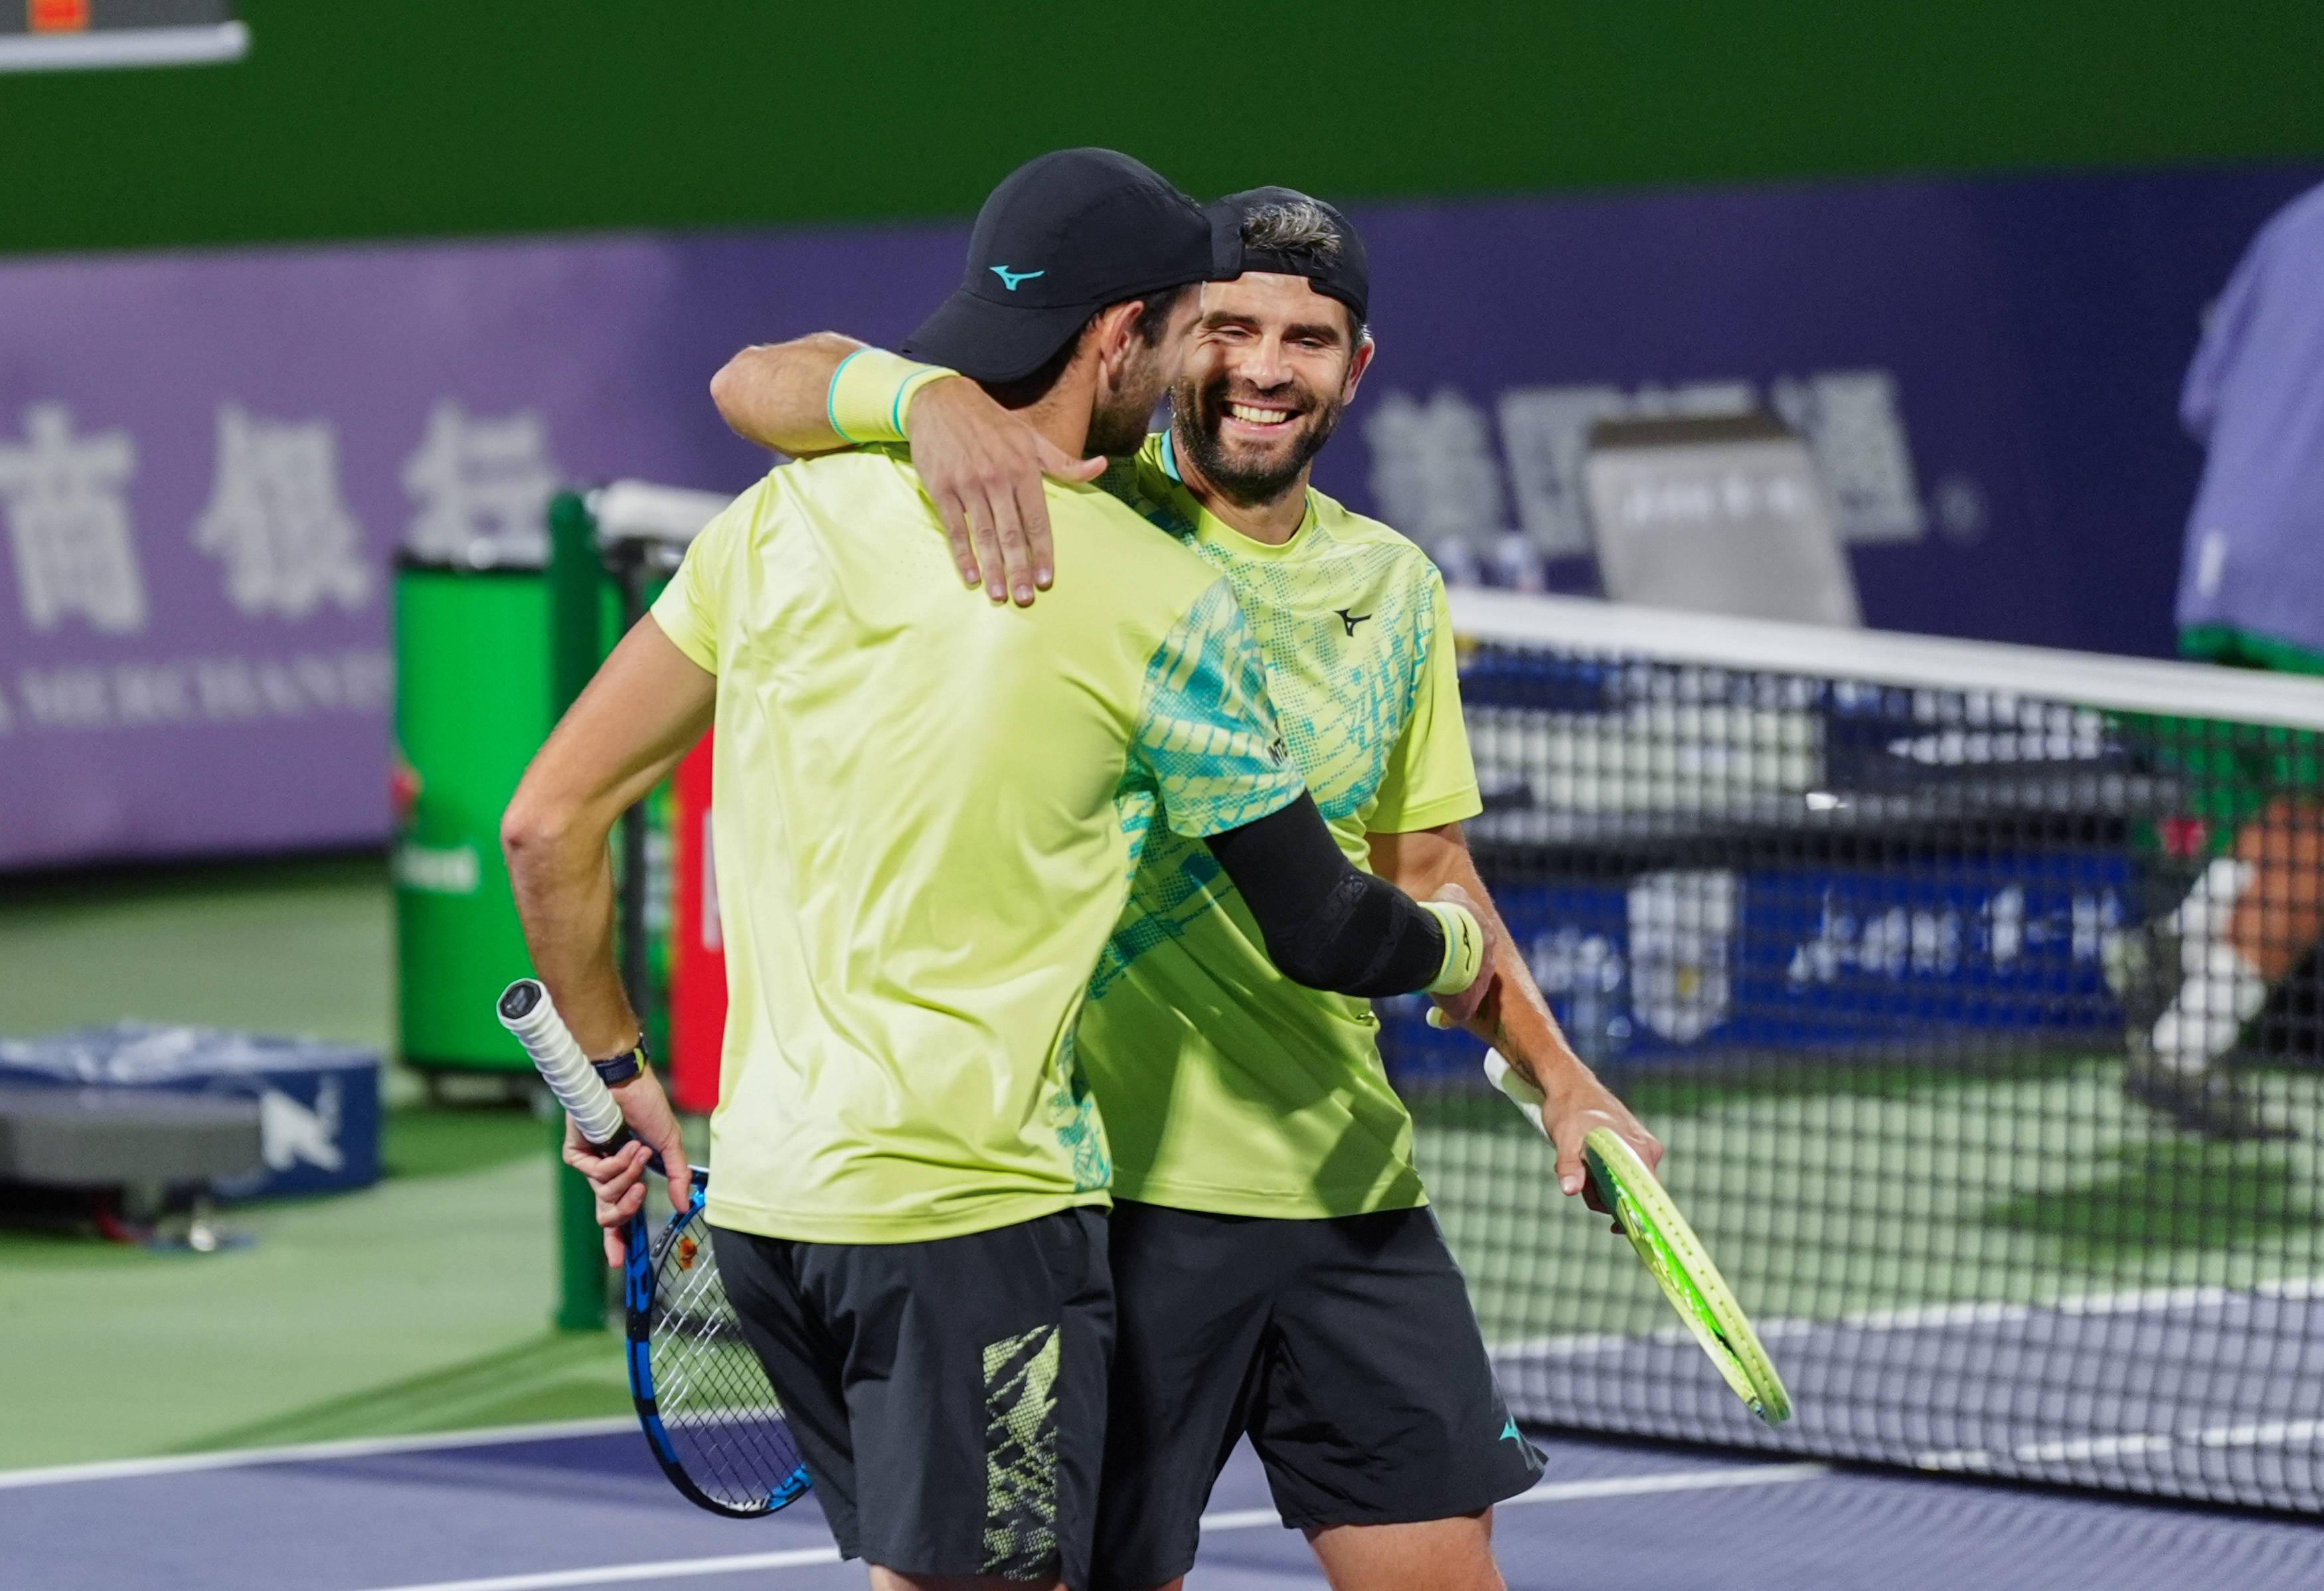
column 1009, row 279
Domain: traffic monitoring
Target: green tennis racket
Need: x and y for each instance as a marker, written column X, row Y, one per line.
column 1673, row 1253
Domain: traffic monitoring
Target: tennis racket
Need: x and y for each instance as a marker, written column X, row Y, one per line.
column 1673, row 1255
column 713, row 1421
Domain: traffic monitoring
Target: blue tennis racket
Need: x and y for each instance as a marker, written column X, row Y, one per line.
column 713, row 1423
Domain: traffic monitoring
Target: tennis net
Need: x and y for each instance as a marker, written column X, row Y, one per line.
column 1970, row 988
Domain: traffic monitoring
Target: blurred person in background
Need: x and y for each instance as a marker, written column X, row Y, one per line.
column 2251, row 594
column 1278, row 1272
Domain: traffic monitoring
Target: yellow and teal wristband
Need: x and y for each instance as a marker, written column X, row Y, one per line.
column 1464, row 947
column 873, row 390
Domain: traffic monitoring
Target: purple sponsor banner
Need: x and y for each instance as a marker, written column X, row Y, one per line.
column 207, row 462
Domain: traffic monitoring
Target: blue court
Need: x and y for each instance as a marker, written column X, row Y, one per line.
column 583, row 1505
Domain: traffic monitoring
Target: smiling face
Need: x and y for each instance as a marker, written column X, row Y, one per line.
column 1273, row 364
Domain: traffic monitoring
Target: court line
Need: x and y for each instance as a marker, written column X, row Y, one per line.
column 2150, row 1298
column 1927, row 1316
column 2272, row 1433
column 2293, row 1287
column 684, row 1569
column 1240, row 1518
column 2081, row 1449
column 315, row 1452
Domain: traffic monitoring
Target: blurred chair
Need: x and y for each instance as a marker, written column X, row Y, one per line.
column 1716, row 513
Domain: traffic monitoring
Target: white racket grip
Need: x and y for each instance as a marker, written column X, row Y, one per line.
column 1521, row 1093
column 527, row 1010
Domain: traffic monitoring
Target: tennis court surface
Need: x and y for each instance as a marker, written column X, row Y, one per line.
column 580, row 1506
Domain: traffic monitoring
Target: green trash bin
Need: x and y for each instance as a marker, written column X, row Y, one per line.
column 472, row 706
column 486, row 659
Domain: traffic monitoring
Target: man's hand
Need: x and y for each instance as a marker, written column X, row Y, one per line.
column 1578, row 1106
column 617, row 1181
column 982, row 467
column 1467, row 1009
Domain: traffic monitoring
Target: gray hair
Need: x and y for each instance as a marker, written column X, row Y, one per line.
column 1300, row 226
column 1296, row 226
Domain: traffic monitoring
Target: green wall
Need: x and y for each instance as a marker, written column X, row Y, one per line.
column 387, row 118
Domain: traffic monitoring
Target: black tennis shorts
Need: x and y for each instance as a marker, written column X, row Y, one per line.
column 1347, row 1349
column 949, row 1396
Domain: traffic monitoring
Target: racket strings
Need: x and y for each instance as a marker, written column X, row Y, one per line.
column 719, row 1414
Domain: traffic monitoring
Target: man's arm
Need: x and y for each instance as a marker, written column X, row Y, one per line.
column 981, row 464
column 1513, row 1017
column 777, row 394
column 1208, row 745
column 646, row 707
column 1330, row 925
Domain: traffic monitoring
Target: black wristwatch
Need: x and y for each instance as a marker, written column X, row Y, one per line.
column 622, row 1067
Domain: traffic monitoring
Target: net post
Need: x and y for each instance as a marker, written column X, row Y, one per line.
column 627, row 564
column 577, row 646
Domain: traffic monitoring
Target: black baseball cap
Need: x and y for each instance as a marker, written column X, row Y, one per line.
column 1062, row 237
column 1345, row 274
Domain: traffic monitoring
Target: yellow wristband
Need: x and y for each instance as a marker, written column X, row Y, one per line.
column 872, row 390
column 1464, row 947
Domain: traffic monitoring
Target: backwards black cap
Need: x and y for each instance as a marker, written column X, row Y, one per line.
column 1062, row 237
column 1337, row 267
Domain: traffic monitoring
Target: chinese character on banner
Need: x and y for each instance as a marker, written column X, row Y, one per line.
column 69, row 520
column 482, row 487
column 276, row 519
column 1855, row 429
column 1434, row 473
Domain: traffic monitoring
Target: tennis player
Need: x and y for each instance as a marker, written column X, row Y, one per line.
column 1277, row 1270
column 2194, row 976
column 929, row 812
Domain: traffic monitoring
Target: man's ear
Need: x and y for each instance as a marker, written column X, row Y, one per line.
column 1111, row 333
column 1356, row 365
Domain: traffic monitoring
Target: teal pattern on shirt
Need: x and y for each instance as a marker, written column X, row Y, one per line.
column 1210, row 753
column 1072, row 1114
column 1344, row 691
column 1209, row 750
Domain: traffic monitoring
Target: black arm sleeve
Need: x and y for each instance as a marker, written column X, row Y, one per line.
column 1328, row 924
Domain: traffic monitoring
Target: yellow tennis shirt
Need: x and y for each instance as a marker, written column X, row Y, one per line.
column 929, row 811
column 1226, row 1087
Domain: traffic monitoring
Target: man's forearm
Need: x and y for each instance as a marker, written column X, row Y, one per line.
column 1327, row 924
column 777, row 394
column 1514, row 1019
column 563, row 880
column 1522, row 1026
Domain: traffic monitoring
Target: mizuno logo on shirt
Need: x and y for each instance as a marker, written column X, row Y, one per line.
column 1350, row 619
column 1009, row 279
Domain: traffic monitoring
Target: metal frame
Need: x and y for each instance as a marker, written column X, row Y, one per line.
column 631, row 531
